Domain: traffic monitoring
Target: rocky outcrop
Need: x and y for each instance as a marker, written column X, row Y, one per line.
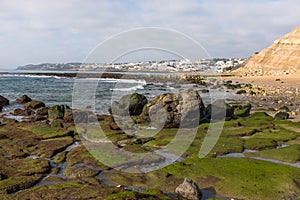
column 3, row 101
column 131, row 104
column 33, row 105
column 189, row 190
column 42, row 111
column 21, row 112
column 184, row 109
column 23, row 99
column 282, row 57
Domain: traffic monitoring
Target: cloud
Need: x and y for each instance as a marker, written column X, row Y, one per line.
column 35, row 31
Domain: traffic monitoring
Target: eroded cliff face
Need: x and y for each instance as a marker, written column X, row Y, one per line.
column 282, row 57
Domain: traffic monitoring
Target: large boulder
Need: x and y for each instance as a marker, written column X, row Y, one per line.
column 23, row 99
column 131, row 104
column 189, row 190
column 218, row 110
column 33, row 105
column 184, row 109
column 3, row 101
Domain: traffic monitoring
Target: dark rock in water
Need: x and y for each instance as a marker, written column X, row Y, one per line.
column 21, row 112
column 189, row 190
column 42, row 111
column 3, row 101
column 33, row 104
column 242, row 110
column 282, row 116
column 184, row 109
column 1, row 108
column 131, row 104
column 218, row 110
column 23, row 99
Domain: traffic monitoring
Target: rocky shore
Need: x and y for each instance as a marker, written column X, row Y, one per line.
column 270, row 94
column 44, row 156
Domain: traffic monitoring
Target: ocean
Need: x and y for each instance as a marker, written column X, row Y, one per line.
column 59, row 90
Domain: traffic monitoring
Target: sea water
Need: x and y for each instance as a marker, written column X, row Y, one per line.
column 59, row 90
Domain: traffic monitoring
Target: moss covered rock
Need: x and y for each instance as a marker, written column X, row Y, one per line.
column 131, row 104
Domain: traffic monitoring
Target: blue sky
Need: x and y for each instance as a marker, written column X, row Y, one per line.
column 36, row 31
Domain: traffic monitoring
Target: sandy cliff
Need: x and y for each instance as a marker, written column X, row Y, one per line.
column 282, row 57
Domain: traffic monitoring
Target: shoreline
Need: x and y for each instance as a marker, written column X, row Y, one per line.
column 272, row 93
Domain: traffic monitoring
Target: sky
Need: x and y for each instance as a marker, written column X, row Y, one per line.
column 61, row 31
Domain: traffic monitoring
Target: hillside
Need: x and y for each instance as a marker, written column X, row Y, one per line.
column 282, row 57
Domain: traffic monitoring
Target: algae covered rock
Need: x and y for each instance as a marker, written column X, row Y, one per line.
column 56, row 124
column 242, row 110
column 189, row 190
column 282, row 116
column 80, row 171
column 131, row 104
column 56, row 112
column 60, row 112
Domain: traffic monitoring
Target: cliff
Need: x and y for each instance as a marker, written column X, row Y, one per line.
column 282, row 57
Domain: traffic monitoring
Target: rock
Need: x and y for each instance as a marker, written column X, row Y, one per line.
column 184, row 109
column 56, row 112
column 281, row 116
column 68, row 114
column 42, row 111
column 21, row 112
column 33, row 104
column 1, row 108
column 131, row 104
column 220, row 111
column 242, row 110
column 189, row 190
column 39, row 118
column 3, row 101
column 60, row 112
column 205, row 91
column 80, row 171
column 23, row 99
column 57, row 124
